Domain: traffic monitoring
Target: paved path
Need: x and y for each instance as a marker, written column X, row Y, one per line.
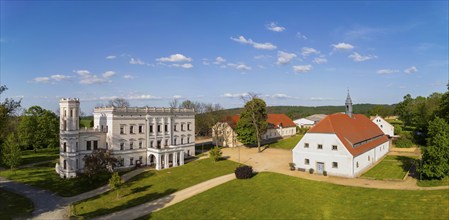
column 276, row 160
column 152, row 206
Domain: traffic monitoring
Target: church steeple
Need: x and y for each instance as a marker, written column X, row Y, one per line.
column 348, row 105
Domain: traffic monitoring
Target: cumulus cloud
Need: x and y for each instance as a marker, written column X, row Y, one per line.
column 177, row 97
column 59, row 77
column 261, row 46
column 410, row 70
column 88, row 78
column 360, row 58
column 128, row 77
column 136, row 61
column 239, row 66
column 273, row 26
column 284, row 57
column 41, row 80
column 302, row 68
column 320, row 60
column 235, row 95
column 280, row 96
column 219, row 60
column 301, row 36
column 387, row 71
column 51, row 79
column 185, row 65
column 306, row 51
column 342, row 46
column 175, row 58
column 111, row 57
column 108, row 74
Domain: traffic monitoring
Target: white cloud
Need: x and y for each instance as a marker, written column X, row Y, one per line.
column 387, row 71
column 342, row 46
column 219, row 60
column 273, row 26
column 261, row 46
column 175, row 58
column 301, row 36
column 89, row 78
column 302, row 68
column 139, row 97
column 128, row 77
column 306, row 51
column 108, row 74
column 259, row 57
column 320, row 99
column 59, row 77
column 136, row 61
column 177, row 97
column 235, row 95
column 280, row 96
column 41, row 80
column 239, row 66
column 412, row 69
column 320, row 60
column 185, row 65
column 111, row 57
column 206, row 62
column 359, row 58
column 284, row 57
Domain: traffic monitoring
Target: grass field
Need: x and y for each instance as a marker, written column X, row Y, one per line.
column 277, row 196
column 429, row 183
column 14, row 206
column 85, row 123
column 45, row 177
column 391, row 167
column 153, row 185
column 288, row 143
column 29, row 156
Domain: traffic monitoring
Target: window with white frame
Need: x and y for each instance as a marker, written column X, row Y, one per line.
column 334, row 147
column 131, row 129
column 131, row 144
column 334, row 165
column 320, row 146
column 131, row 161
column 122, row 129
column 140, row 144
column 306, row 145
column 140, row 129
column 306, row 161
column 122, row 146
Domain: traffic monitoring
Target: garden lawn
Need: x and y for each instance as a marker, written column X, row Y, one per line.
column 429, row 183
column 278, row 196
column 85, row 123
column 14, row 206
column 44, row 176
column 288, row 143
column 152, row 185
column 46, row 154
column 391, row 167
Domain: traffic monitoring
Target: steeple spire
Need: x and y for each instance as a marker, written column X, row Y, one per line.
column 348, row 105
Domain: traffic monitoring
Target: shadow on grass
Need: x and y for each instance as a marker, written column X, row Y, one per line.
column 158, row 203
column 406, row 162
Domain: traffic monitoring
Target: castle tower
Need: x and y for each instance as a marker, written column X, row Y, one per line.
column 348, row 105
column 68, row 137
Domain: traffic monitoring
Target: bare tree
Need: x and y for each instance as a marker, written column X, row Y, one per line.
column 118, row 102
column 174, row 103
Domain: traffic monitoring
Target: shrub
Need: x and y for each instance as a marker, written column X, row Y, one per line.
column 311, row 170
column 324, row 173
column 292, row 166
column 243, row 172
column 215, row 153
column 403, row 142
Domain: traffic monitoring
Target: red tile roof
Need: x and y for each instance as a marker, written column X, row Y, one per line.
column 274, row 119
column 358, row 130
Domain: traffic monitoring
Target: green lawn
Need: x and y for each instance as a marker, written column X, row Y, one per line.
column 45, row 177
column 429, row 183
column 14, row 206
column 152, row 185
column 29, row 156
column 391, row 167
column 278, row 196
column 85, row 123
column 288, row 143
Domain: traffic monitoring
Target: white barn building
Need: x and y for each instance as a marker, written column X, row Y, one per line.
column 342, row 145
column 162, row 137
column 386, row 127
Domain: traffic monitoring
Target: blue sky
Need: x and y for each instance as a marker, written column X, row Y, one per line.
column 290, row 53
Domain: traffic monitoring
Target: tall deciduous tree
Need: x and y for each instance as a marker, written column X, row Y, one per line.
column 8, row 109
column 118, row 102
column 101, row 160
column 443, row 111
column 253, row 121
column 11, row 151
column 39, row 128
column 435, row 160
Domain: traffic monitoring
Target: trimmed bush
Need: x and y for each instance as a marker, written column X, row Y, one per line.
column 243, row 172
column 292, row 166
column 403, row 143
column 311, row 170
column 324, row 173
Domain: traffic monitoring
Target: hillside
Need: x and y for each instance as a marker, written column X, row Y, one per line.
column 295, row 112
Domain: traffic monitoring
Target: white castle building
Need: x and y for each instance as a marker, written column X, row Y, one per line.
column 162, row 137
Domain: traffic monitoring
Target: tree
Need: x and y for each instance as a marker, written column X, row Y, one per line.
column 101, row 160
column 8, row 109
column 435, row 158
column 115, row 182
column 443, row 110
column 174, row 103
column 118, row 102
column 253, row 121
column 215, row 153
column 11, row 151
column 39, row 128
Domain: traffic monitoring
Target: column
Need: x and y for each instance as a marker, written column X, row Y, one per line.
column 166, row 164
column 175, row 159
column 158, row 162
column 181, row 158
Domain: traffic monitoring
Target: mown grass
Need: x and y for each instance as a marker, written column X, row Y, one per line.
column 391, row 167
column 13, row 206
column 152, row 185
column 44, row 176
column 278, row 196
column 29, row 156
column 430, row 183
column 287, row 143
column 85, row 123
